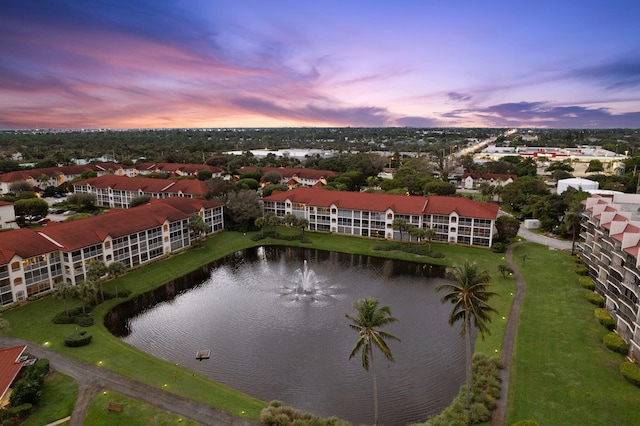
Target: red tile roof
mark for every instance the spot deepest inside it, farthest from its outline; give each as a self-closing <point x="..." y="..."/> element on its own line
<point x="55" y="171"/>
<point x="25" y="243"/>
<point x="9" y="366"/>
<point x="489" y="176"/>
<point x="170" y="186"/>
<point x="177" y="167"/>
<point x="82" y="233"/>
<point x="401" y="204"/>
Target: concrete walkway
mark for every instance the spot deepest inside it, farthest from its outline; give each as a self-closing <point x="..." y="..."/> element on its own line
<point x="92" y="380"/>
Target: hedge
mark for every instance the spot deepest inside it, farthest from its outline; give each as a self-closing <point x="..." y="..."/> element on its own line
<point x="596" y="299"/>
<point x="11" y="415"/>
<point x="77" y="339"/>
<point x="581" y="270"/>
<point x="614" y="342"/>
<point x="603" y="317"/>
<point x="587" y="283"/>
<point x="631" y="372"/>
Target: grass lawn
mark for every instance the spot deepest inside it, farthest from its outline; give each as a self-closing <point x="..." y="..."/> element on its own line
<point x="33" y="320"/>
<point x="59" y="396"/>
<point x="562" y="374"/>
<point x="134" y="413"/>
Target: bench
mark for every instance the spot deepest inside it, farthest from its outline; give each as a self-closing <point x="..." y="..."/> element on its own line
<point x="115" y="406"/>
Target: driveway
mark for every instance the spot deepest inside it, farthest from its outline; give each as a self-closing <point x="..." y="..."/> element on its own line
<point x="92" y="380"/>
<point x="552" y="243"/>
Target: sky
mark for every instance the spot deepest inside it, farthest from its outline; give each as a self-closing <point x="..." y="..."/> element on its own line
<point x="328" y="63"/>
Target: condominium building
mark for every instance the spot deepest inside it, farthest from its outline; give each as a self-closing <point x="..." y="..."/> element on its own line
<point x="34" y="261"/>
<point x="611" y="232"/>
<point x="454" y="219"/>
<point x="118" y="191"/>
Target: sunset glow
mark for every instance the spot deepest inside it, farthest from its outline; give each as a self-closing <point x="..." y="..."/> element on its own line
<point x="165" y="63"/>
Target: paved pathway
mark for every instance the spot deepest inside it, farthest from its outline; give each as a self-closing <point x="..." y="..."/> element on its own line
<point x="92" y="380"/>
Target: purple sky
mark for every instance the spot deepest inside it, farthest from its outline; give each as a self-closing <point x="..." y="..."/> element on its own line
<point x="250" y="63"/>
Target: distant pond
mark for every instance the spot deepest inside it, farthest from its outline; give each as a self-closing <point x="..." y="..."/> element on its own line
<point x="274" y="321"/>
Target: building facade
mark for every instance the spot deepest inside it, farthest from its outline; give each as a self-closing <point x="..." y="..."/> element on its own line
<point x="33" y="262"/>
<point x="454" y="219"/>
<point x="611" y="233"/>
<point x="118" y="191"/>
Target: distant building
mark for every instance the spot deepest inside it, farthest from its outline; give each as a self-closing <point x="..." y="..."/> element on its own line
<point x="454" y="219"/>
<point x="7" y="216"/>
<point x="176" y="169"/>
<point x="118" y="191"/>
<point x="294" y="177"/>
<point x="473" y="180"/>
<point x="579" y="184"/>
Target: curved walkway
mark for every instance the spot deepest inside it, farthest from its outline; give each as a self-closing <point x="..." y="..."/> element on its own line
<point x="93" y="380"/>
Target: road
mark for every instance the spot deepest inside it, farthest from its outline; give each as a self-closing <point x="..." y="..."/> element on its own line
<point x="92" y="380"/>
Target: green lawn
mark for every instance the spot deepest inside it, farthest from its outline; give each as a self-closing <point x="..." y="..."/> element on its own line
<point x="562" y="374"/>
<point x="134" y="413"/>
<point x="59" y="396"/>
<point x="32" y="321"/>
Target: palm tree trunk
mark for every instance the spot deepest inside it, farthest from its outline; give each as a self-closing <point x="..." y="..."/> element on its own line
<point x="375" y="388"/>
<point x="467" y="341"/>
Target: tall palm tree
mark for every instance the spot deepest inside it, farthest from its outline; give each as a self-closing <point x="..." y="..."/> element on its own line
<point x="367" y="321"/>
<point x="64" y="290"/>
<point x="95" y="271"/>
<point x="87" y="292"/>
<point x="470" y="298"/>
<point x="115" y="269"/>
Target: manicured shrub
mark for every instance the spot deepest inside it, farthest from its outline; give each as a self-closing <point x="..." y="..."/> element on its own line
<point x="587" y="283"/>
<point x="596" y="299"/>
<point x="581" y="270"/>
<point x="84" y="321"/>
<point x="77" y="339"/>
<point x="631" y="372"/>
<point x="615" y="343"/>
<point x="498" y="248"/>
<point x="604" y="318"/>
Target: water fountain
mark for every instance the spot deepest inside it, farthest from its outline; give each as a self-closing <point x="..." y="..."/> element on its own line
<point x="305" y="280"/>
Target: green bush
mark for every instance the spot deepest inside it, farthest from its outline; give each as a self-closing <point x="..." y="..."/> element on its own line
<point x="84" y="321"/>
<point x="604" y="318"/>
<point x="77" y="339"/>
<point x="581" y="270"/>
<point x="10" y="415"/>
<point x="614" y="342"/>
<point x="596" y="299"/>
<point x="631" y="372"/>
<point x="277" y="414"/>
<point x="498" y="248"/>
<point x="587" y="283"/>
<point x="28" y="388"/>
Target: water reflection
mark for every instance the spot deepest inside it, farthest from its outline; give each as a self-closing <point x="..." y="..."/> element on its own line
<point x="274" y="336"/>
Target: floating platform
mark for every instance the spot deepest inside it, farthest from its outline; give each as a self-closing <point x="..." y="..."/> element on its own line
<point x="203" y="354"/>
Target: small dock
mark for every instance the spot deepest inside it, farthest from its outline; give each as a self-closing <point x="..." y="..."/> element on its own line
<point x="203" y="354"/>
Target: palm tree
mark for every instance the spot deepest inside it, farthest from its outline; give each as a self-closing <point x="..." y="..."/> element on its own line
<point x="572" y="222"/>
<point x="198" y="226"/>
<point x="62" y="291"/>
<point x="470" y="298"/>
<point x="302" y="223"/>
<point x="115" y="269"/>
<point x="367" y="321"/>
<point x="260" y="222"/>
<point x="95" y="271"/>
<point x="429" y="234"/>
<point x="87" y="292"/>
<point x="399" y="224"/>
